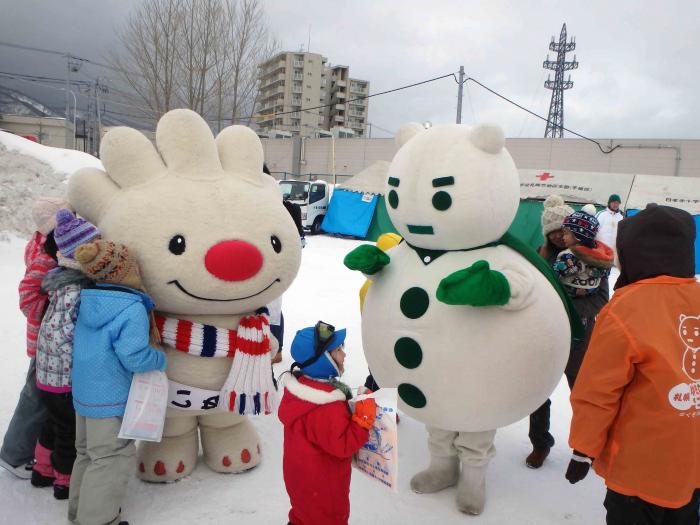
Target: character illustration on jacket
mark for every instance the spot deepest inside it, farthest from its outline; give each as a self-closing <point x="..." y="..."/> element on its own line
<point x="689" y="330"/>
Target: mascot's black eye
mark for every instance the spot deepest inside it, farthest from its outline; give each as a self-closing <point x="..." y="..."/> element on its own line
<point x="276" y="244"/>
<point x="177" y="245"/>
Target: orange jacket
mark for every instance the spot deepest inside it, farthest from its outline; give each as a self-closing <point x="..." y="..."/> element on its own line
<point x="636" y="402"/>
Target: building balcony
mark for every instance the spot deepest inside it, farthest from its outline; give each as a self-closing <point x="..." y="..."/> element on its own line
<point x="297" y="89"/>
<point x="298" y="76"/>
<point x="298" y="63"/>
<point x="278" y="67"/>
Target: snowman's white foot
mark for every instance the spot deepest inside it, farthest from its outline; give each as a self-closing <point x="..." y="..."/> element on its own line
<point x="441" y="474"/>
<point x="471" y="490"/>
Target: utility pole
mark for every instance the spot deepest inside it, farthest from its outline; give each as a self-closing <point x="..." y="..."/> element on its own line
<point x="72" y="65"/>
<point x="555" y="120"/>
<point x="99" y="88"/>
<point x="460" y="91"/>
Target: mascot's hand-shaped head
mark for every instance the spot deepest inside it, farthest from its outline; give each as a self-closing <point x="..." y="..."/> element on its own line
<point x="207" y="225"/>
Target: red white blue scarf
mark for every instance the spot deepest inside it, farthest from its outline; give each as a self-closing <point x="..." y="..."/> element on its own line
<point x="249" y="388"/>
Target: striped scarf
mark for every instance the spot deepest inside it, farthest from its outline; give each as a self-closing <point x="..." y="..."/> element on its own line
<point x="249" y="388"/>
<point x="201" y="340"/>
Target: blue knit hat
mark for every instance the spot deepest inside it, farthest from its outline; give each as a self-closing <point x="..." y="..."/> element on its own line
<point x="303" y="349"/>
<point x="583" y="226"/>
<point x="71" y="232"/>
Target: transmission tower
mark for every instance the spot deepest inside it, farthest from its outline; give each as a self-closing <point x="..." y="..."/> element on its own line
<point x="555" y="121"/>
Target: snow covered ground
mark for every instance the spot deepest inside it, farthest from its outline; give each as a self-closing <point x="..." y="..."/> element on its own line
<point x="323" y="290"/>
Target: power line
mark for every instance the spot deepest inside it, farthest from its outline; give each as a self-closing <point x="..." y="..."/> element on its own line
<point x="362" y="97"/>
<point x="41" y="79"/>
<point x="494" y="92"/>
<point x="59" y="53"/>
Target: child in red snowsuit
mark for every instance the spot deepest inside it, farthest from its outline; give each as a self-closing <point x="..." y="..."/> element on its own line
<point x="320" y="432"/>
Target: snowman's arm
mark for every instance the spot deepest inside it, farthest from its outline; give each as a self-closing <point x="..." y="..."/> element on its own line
<point x="367" y="259"/>
<point x="521" y="283"/>
<point x="479" y="285"/>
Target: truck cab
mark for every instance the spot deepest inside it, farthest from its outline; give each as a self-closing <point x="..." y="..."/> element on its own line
<point x="312" y="197"/>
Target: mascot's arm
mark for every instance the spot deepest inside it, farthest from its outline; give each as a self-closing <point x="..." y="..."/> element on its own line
<point x="479" y="285"/>
<point x="367" y="259"/>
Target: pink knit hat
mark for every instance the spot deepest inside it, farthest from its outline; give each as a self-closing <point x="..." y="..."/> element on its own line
<point x="44" y="211"/>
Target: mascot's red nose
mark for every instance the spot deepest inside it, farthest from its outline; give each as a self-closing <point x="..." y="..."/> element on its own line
<point x="233" y="260"/>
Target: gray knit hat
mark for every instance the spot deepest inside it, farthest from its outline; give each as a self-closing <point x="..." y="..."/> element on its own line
<point x="554" y="213"/>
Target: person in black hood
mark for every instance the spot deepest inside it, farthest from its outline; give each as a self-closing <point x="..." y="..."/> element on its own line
<point x="657" y="241"/>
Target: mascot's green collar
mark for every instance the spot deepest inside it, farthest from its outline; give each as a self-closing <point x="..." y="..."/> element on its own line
<point x="508" y="239"/>
<point x="428" y="256"/>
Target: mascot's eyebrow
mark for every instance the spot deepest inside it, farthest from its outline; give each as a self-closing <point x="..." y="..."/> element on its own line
<point x="443" y="181"/>
<point x="393" y="181"/>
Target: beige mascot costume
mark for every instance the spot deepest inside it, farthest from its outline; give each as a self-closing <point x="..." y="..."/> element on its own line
<point x="215" y="245"/>
<point x="466" y="321"/>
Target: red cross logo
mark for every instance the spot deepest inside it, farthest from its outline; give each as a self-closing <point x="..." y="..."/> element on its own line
<point x="545" y="176"/>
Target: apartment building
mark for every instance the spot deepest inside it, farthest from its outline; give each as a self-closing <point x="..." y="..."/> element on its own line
<point x="292" y="81"/>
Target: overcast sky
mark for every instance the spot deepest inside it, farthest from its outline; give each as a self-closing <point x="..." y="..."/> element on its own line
<point x="637" y="78"/>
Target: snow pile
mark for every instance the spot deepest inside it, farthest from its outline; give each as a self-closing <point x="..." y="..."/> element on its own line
<point x="29" y="170"/>
<point x="61" y="160"/>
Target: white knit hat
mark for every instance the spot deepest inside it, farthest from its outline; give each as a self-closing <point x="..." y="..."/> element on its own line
<point x="590" y="209"/>
<point x="554" y="213"/>
<point x="44" y="211"/>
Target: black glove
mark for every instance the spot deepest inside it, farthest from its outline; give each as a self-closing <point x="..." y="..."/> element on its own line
<point x="578" y="468"/>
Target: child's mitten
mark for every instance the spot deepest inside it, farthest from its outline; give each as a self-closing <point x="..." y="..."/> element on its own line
<point x="365" y="413"/>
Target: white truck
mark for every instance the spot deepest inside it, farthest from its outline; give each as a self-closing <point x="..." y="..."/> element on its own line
<point x="312" y="197"/>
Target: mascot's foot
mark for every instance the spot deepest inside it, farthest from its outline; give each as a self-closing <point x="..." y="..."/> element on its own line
<point x="230" y="442"/>
<point x="174" y="457"/>
<point x="471" y="490"/>
<point x="441" y="474"/>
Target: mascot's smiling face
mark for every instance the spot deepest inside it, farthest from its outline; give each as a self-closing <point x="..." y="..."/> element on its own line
<point x="208" y="227"/>
<point x="452" y="187"/>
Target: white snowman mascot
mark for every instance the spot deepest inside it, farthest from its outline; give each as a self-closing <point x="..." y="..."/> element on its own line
<point x="466" y="321"/>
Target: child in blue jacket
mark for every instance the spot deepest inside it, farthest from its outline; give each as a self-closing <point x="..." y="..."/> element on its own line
<point x="110" y="344"/>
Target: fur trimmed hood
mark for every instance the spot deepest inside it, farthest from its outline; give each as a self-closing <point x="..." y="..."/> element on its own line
<point x="303" y="395"/>
<point x="601" y="256"/>
<point x="312" y="391"/>
<point x="63" y="277"/>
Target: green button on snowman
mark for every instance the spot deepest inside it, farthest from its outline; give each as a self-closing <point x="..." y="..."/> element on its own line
<point x="466" y="321"/>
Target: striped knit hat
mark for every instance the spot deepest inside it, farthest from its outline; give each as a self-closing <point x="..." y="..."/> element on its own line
<point x="109" y="262"/>
<point x="71" y="232"/>
<point x="583" y="226"/>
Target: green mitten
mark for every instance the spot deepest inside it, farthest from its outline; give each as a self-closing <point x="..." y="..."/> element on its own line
<point x="477" y="285"/>
<point x="367" y="259"/>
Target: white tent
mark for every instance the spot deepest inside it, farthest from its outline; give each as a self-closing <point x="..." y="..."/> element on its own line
<point x="679" y="192"/>
<point x="372" y="179"/>
<point x="575" y="186"/>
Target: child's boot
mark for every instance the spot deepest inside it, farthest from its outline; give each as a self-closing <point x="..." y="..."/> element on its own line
<point x="471" y="490"/>
<point x="442" y="473"/>
<point x="61" y="485"/>
<point x="42" y="473"/>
